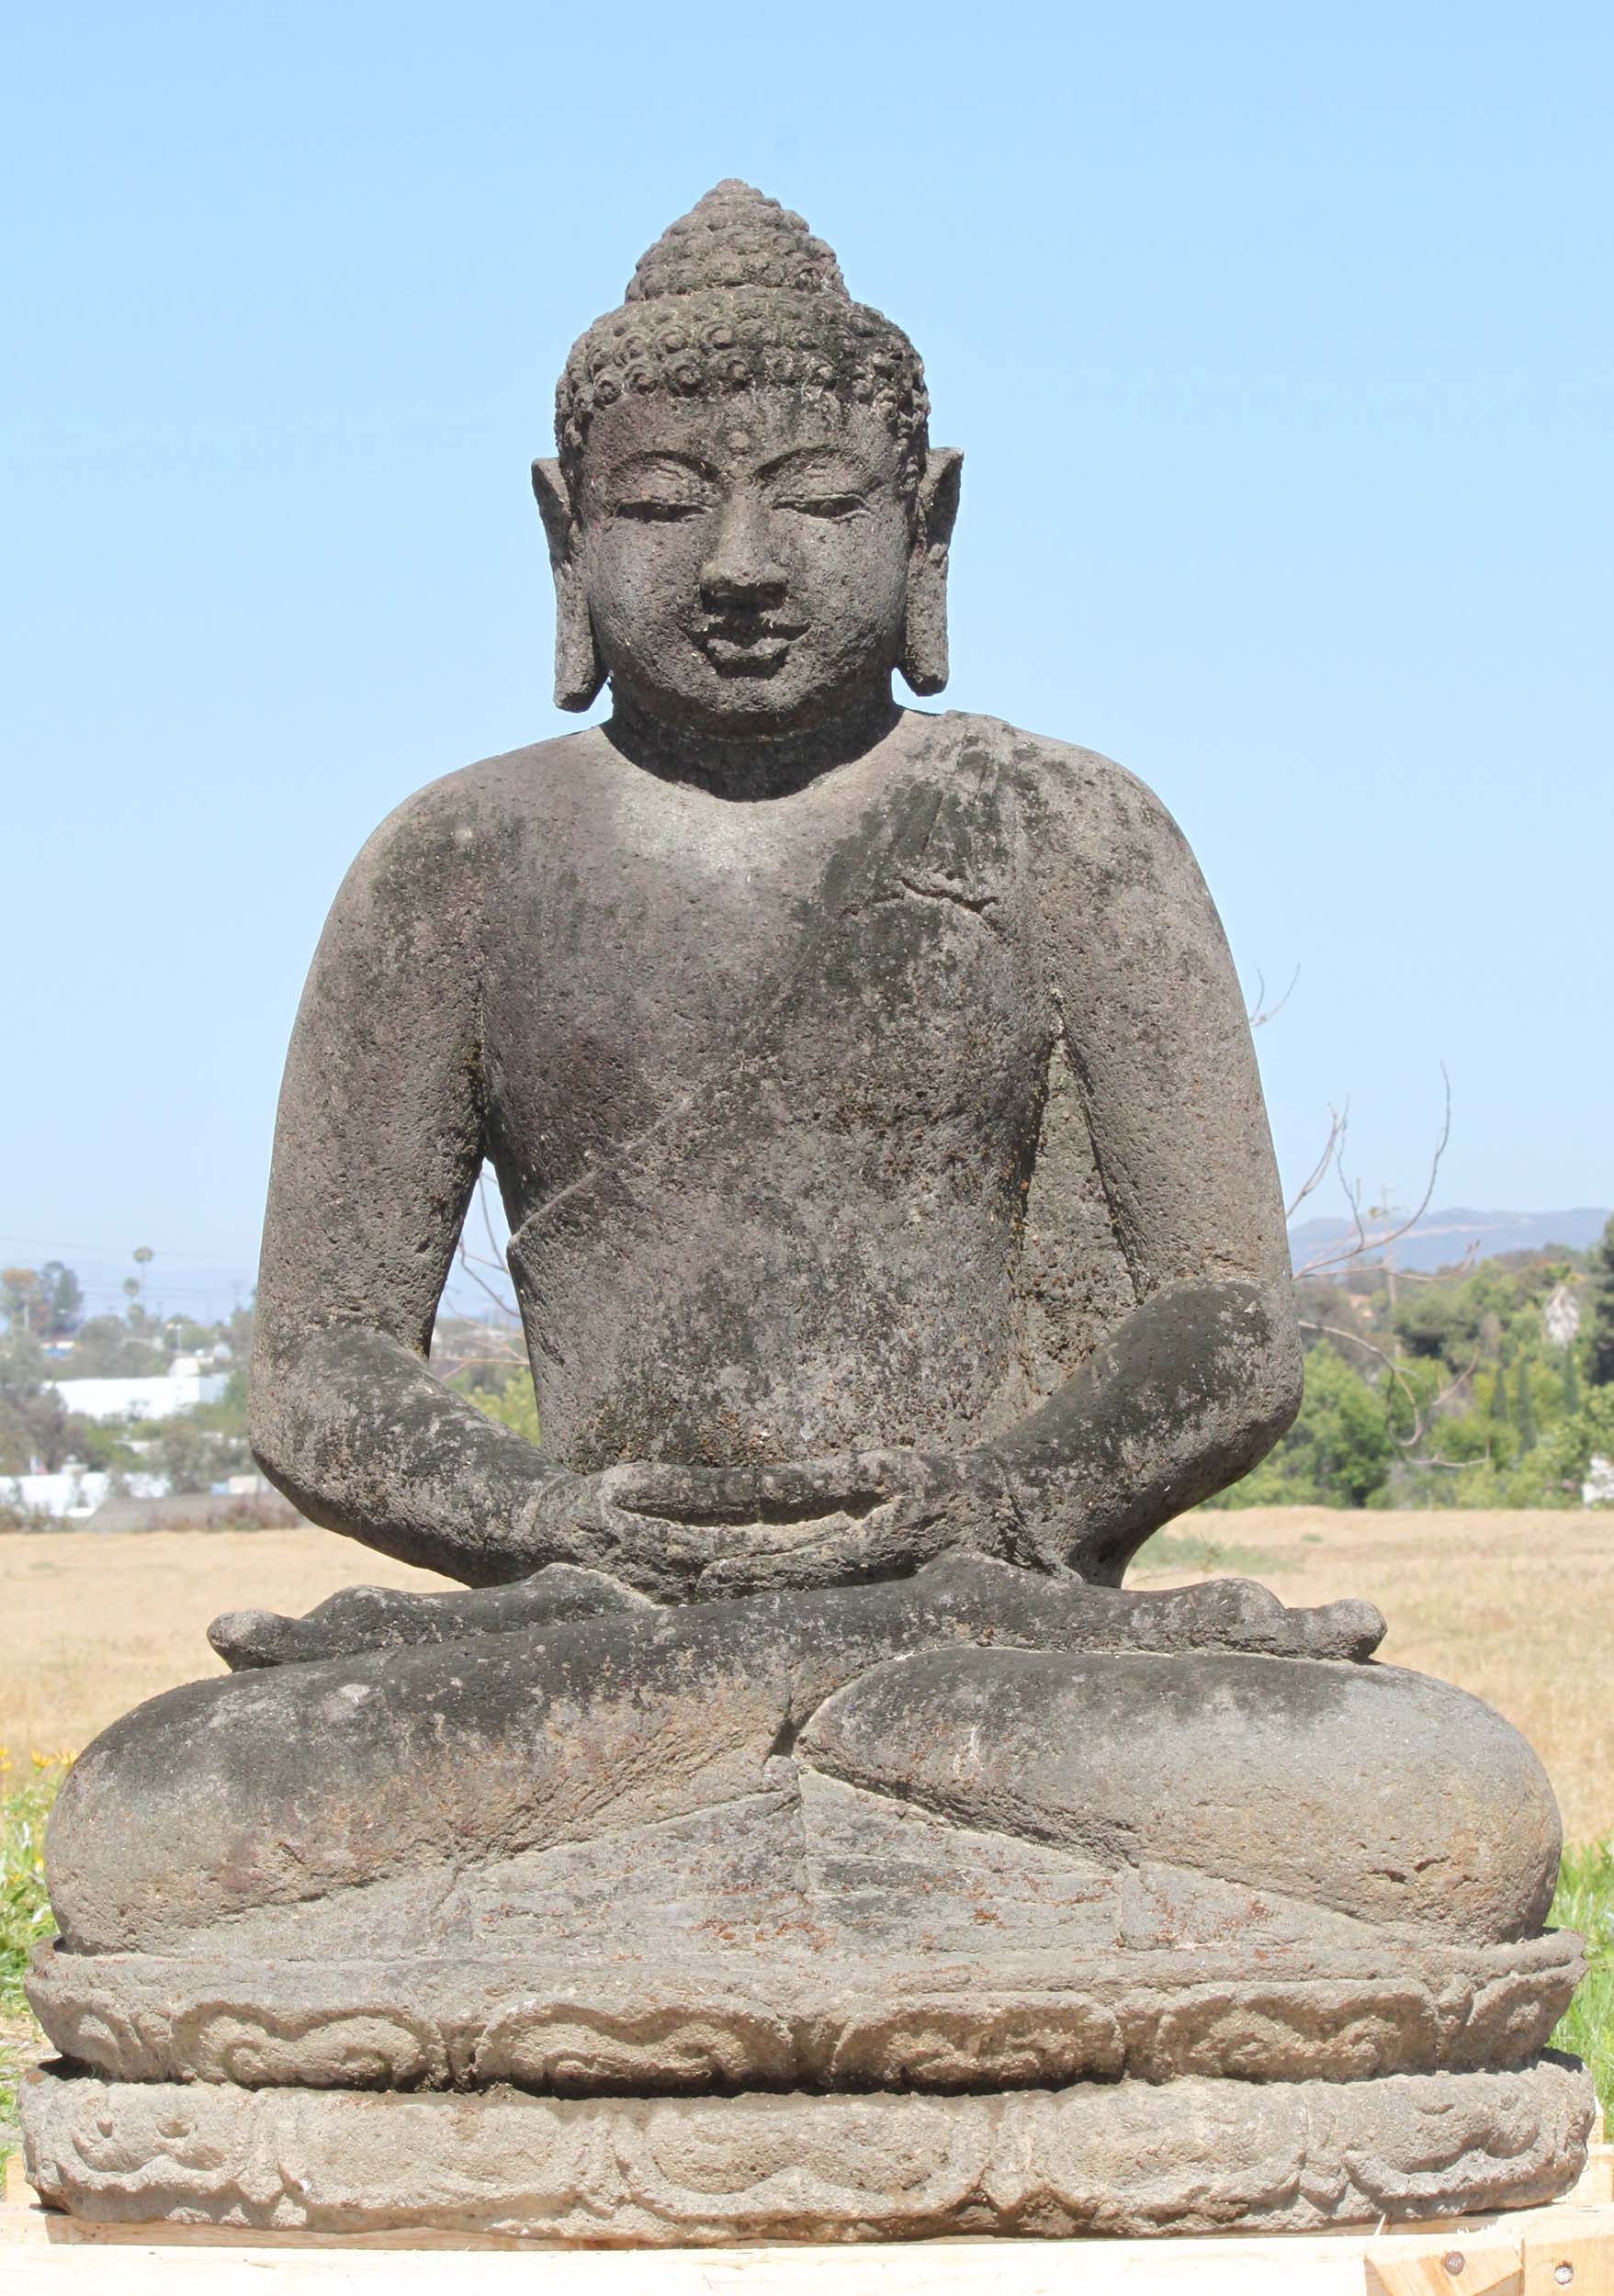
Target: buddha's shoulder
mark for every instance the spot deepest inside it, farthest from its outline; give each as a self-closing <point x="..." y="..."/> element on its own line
<point x="474" y="818"/>
<point x="1077" y="795"/>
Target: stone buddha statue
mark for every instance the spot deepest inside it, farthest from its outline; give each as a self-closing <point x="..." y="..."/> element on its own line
<point x="794" y="1828"/>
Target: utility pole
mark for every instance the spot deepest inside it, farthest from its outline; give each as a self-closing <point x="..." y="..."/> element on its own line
<point x="1389" y="1212"/>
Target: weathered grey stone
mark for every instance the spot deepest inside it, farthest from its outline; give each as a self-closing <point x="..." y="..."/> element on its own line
<point x="290" y="1785"/>
<point x="385" y="1618"/>
<point x="765" y="1000"/>
<point x="1377" y="1792"/>
<point x="1128" y="2157"/>
<point x="754" y="2014"/>
<point x="897" y="1242"/>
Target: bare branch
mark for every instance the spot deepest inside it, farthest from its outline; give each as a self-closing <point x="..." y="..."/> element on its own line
<point x="1421" y="1412"/>
<point x="476" y="1259"/>
<point x="1462" y="1266"/>
<point x="1353" y="1198"/>
<point x="473" y="1263"/>
<point x="1398" y="1376"/>
<point x="1339" y="1119"/>
<point x="484" y="1286"/>
<point x="1452" y="1386"/>
<point x="1440" y="1147"/>
<point x="1335" y="1331"/>
<point x="1363" y="1243"/>
<point x="1260" y="1011"/>
<point x="488" y="1220"/>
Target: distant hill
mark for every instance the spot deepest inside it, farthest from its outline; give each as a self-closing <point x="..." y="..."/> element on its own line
<point x="1442" y="1237"/>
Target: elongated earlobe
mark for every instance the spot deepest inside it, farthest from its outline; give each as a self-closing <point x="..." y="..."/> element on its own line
<point x="924" y="635"/>
<point x="579" y="671"/>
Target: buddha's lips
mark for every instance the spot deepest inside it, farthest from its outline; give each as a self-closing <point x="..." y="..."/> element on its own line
<point x="749" y="644"/>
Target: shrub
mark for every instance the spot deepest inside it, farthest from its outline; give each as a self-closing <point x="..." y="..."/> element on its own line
<point x="512" y="1406"/>
<point x="1586" y="1902"/>
<point x="26" y="1797"/>
<point x="1339" y="1452"/>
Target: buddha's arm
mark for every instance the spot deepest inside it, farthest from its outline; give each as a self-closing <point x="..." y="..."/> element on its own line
<point x="376" y="1149"/>
<point x="1195" y="1385"/>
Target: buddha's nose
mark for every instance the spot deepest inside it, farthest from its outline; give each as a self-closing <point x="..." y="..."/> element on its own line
<point x="742" y="569"/>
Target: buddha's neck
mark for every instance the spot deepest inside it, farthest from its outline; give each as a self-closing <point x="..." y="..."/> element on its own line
<point x="752" y="766"/>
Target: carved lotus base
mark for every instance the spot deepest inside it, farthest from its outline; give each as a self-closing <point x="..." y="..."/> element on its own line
<point x="745" y="2020"/>
<point x="1125" y="2157"/>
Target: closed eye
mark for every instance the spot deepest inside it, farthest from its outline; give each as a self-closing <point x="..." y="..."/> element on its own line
<point x="654" y="510"/>
<point x="825" y="505"/>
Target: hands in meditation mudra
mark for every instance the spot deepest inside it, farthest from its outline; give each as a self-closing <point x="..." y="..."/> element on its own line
<point x="899" y="1244"/>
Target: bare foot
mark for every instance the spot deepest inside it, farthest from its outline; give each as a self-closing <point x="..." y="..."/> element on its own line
<point x="384" y="1617"/>
<point x="1239" y="1614"/>
<point x="1218" y="1615"/>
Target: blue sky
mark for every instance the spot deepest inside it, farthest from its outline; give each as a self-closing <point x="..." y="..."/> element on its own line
<point x="1277" y="339"/>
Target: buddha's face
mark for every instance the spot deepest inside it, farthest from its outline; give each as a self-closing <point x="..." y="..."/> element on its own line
<point x="746" y="558"/>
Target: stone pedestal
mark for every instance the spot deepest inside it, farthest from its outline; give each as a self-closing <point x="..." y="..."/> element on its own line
<point x="1124" y="2158"/>
<point x="1176" y="2090"/>
<point x="824" y="2010"/>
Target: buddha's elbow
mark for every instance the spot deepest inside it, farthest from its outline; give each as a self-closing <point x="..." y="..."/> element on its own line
<point x="1271" y="1383"/>
<point x="324" y="1425"/>
<point x="280" y="1431"/>
<point x="290" y="1456"/>
<point x="272" y="1444"/>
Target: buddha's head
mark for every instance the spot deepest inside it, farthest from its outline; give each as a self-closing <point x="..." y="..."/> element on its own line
<point x="747" y="523"/>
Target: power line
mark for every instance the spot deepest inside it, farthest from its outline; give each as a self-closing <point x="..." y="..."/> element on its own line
<point x="121" y="1251"/>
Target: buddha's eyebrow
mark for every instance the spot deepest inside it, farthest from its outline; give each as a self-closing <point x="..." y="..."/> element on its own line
<point x="826" y="453"/>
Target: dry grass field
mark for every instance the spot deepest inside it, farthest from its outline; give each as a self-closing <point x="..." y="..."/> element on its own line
<point x="93" y="1623"/>
<point x="1518" y="1607"/>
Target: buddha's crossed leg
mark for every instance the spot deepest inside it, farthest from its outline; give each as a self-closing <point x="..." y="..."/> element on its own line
<point x="1131" y="1723"/>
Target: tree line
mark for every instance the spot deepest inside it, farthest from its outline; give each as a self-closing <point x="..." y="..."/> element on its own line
<point x="1489" y="1386"/>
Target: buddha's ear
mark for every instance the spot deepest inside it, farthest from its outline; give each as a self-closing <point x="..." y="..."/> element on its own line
<point x="924" y="635"/>
<point x="579" y="671"/>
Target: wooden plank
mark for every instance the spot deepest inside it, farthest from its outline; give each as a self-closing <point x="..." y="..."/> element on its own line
<point x="1582" y="2265"/>
<point x="1508" y="2255"/>
<point x="1596" y="2181"/>
<point x="989" y="2267"/>
<point x="1454" y="2268"/>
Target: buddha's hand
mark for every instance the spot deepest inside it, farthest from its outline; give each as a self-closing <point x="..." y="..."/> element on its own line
<point x="697" y="1533"/>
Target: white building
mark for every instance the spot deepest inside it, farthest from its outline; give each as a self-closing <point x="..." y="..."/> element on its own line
<point x="184" y="1386"/>
<point x="1561" y="1315"/>
<point x="72" y="1493"/>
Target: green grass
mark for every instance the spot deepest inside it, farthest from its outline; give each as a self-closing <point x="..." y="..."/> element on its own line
<point x="26" y="1797"/>
<point x="1586" y="1902"/>
<point x="26" y="1792"/>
